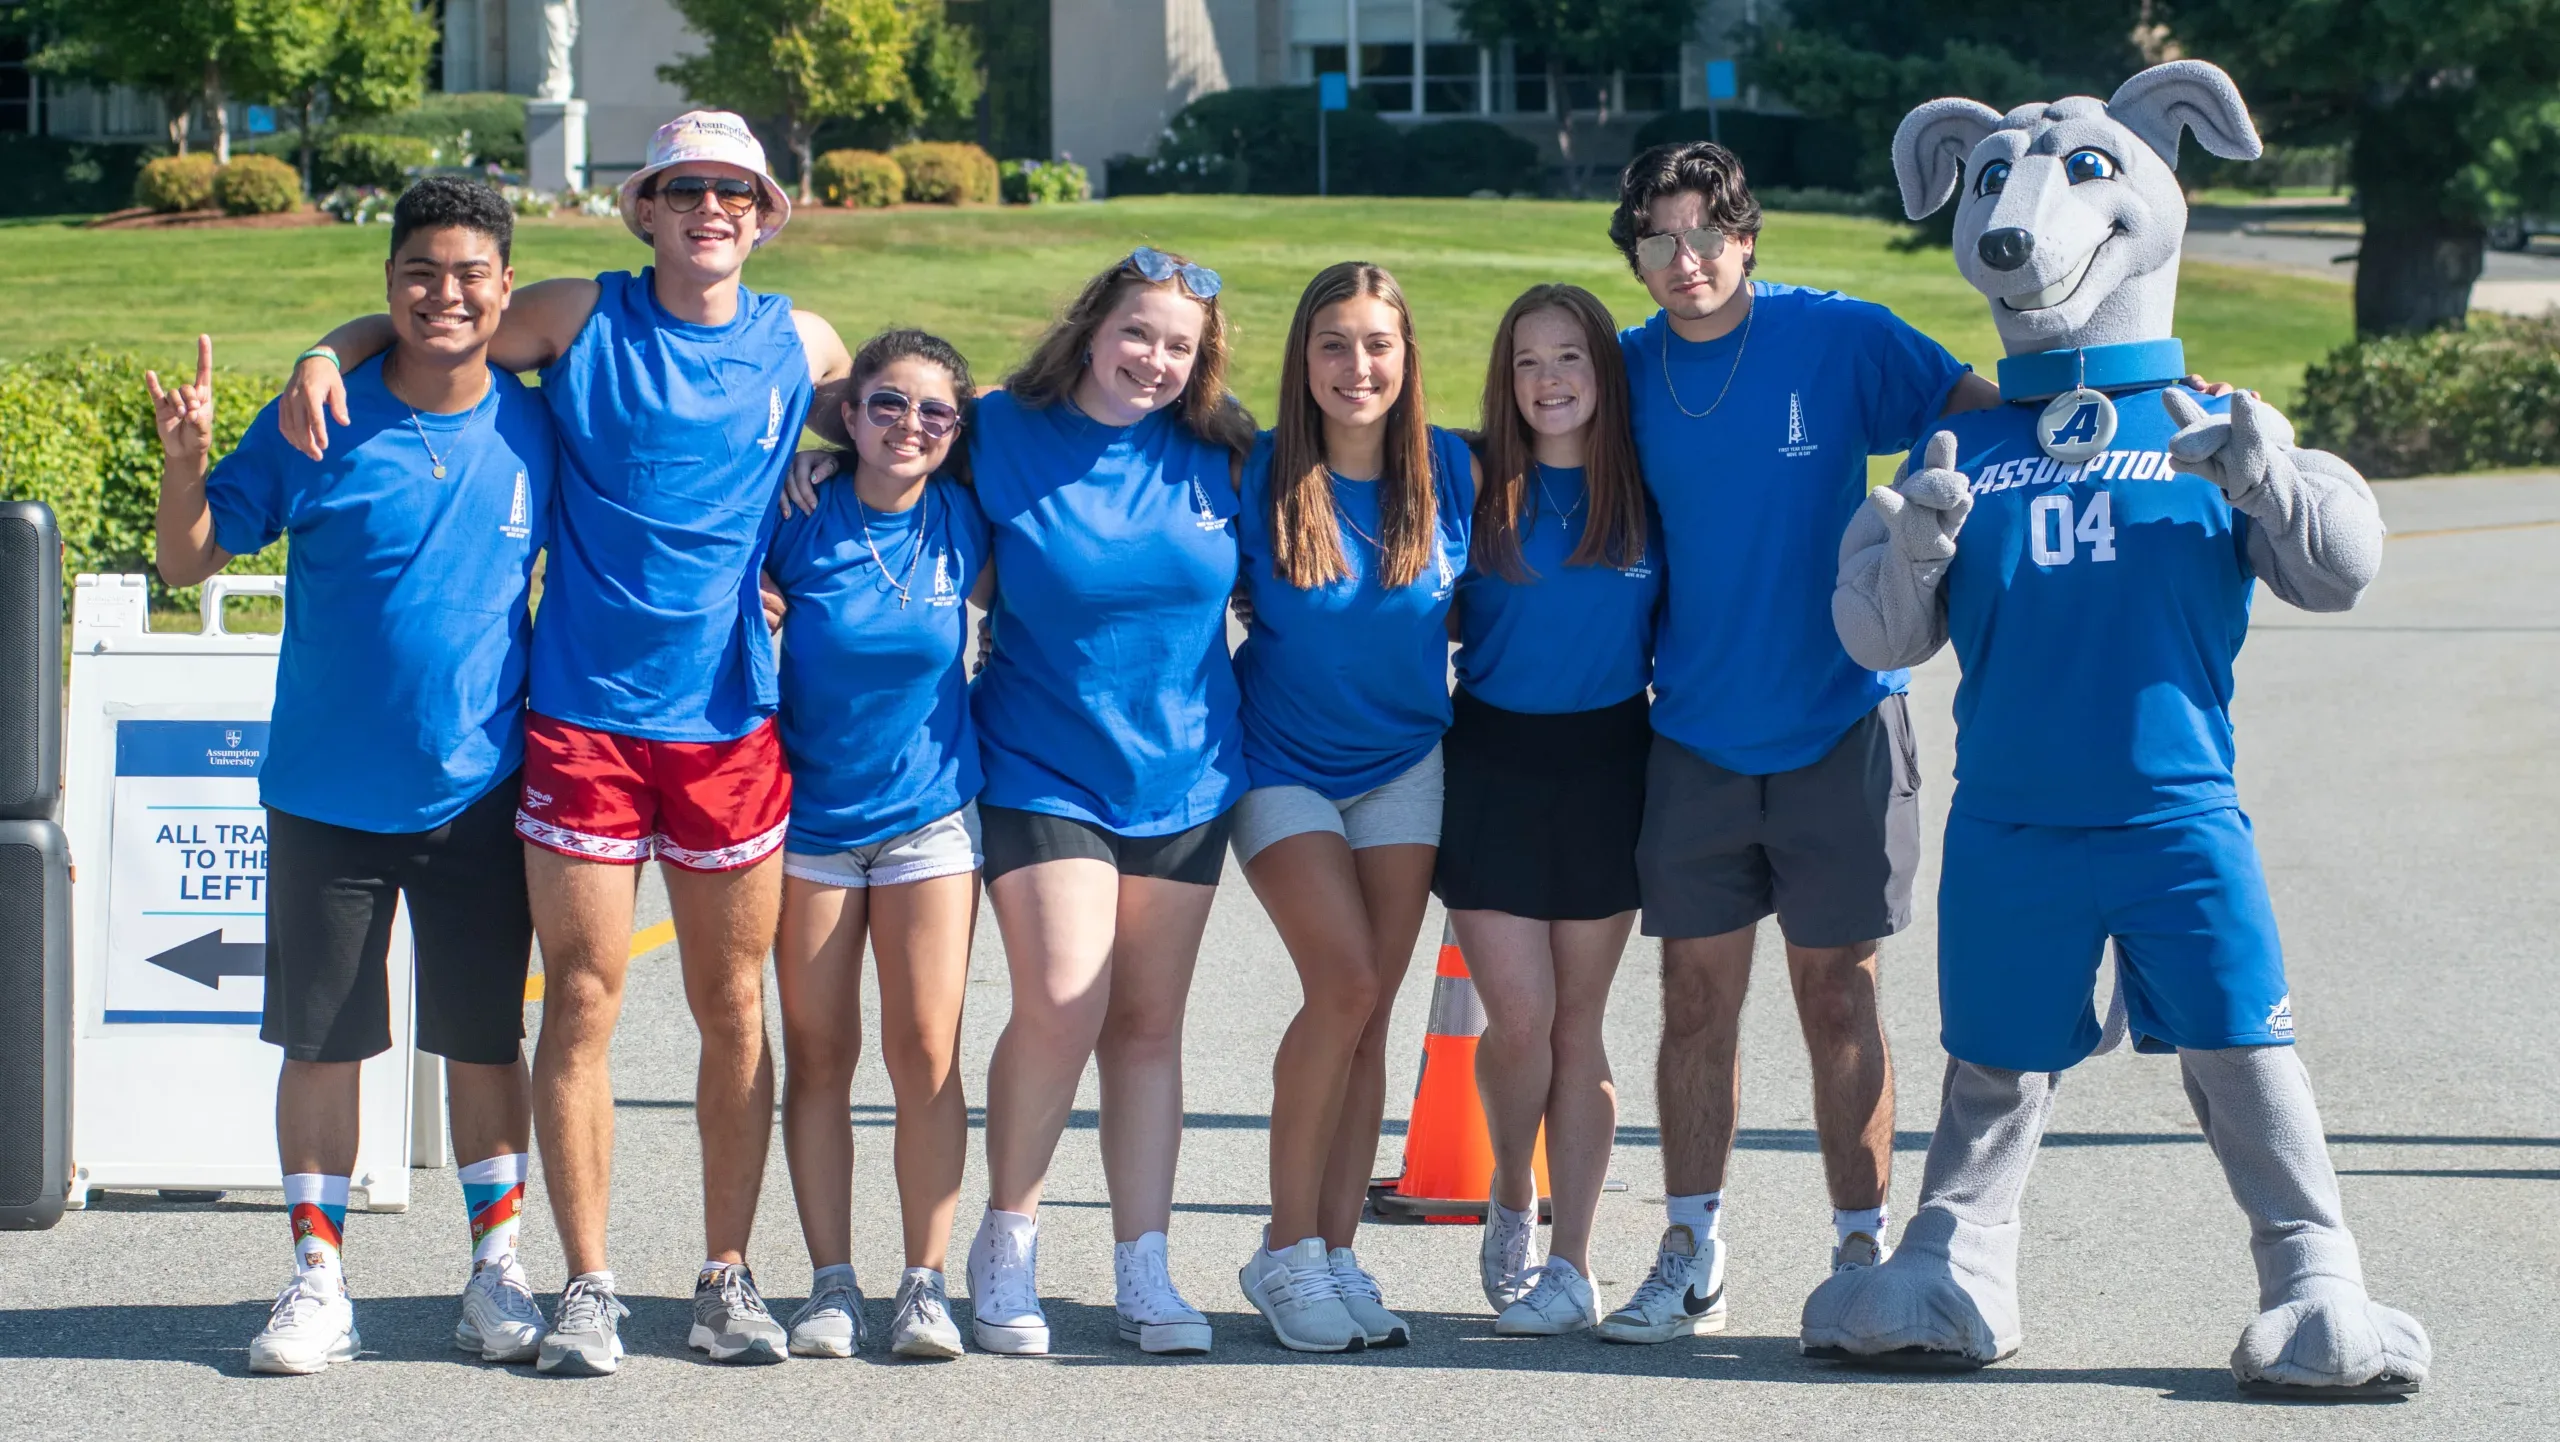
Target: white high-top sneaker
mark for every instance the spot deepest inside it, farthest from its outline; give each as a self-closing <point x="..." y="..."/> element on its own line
<point x="1152" y="1313"/>
<point x="1004" y="1288"/>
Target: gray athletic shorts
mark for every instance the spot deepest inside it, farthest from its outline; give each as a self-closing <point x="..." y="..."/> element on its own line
<point x="1401" y="812"/>
<point x="1829" y="847"/>
<point x="944" y="846"/>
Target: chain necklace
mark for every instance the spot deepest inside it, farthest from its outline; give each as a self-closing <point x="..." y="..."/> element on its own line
<point x="1667" y="335"/>
<point x="1563" y="514"/>
<point x="1345" y="517"/>
<point x="429" y="446"/>
<point x="923" y="513"/>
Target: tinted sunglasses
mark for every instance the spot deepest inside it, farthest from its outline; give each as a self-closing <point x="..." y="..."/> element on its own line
<point x="684" y="194"/>
<point x="1657" y="251"/>
<point x="1158" y="267"/>
<point x="885" y="408"/>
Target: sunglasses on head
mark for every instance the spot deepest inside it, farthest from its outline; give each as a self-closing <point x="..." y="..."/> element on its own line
<point x="685" y="193"/>
<point x="1158" y="267"/>
<point x="885" y="408"/>
<point x="1657" y="251"/>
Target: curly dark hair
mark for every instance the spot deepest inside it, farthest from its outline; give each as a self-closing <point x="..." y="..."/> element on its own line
<point x="1702" y="166"/>
<point x="436" y="201"/>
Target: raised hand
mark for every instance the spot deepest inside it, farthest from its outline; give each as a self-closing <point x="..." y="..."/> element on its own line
<point x="312" y="395"/>
<point x="2237" y="451"/>
<point x="1923" y="511"/>
<point x="184" y="413"/>
<point x="809" y="470"/>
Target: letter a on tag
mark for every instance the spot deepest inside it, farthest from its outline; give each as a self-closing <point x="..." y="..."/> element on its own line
<point x="2076" y="425"/>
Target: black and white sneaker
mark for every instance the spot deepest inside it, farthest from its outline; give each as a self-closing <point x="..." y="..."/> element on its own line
<point x="1683" y="1296"/>
<point x="730" y="1320"/>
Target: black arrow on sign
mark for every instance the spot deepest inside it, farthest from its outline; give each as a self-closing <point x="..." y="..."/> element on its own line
<point x="209" y="958"/>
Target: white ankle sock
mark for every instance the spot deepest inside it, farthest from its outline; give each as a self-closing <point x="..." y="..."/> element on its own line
<point x="1701" y="1212"/>
<point x="1870" y="1220"/>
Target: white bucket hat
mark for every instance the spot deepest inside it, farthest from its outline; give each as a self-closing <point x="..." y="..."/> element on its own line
<point x="714" y="136"/>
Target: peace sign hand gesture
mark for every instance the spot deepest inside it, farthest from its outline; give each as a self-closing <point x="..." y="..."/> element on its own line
<point x="184" y="413"/>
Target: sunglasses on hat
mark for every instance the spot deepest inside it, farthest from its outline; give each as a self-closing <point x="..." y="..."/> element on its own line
<point x="1158" y="267"/>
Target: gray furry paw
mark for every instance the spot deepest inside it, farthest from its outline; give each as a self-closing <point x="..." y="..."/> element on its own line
<point x="1923" y="511"/>
<point x="2237" y="451"/>
<point x="1916" y="1311"/>
<point x="2341" y="1344"/>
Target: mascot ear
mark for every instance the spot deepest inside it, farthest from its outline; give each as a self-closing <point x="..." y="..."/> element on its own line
<point x="1929" y="148"/>
<point x="2186" y="95"/>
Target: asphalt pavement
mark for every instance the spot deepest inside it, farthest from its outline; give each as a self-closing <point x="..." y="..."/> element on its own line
<point x="2399" y="762"/>
<point x="2321" y="241"/>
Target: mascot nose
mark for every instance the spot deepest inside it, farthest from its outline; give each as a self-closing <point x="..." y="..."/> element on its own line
<point x="2006" y="248"/>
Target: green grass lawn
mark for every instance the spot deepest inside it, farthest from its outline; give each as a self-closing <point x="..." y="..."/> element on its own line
<point x="989" y="279"/>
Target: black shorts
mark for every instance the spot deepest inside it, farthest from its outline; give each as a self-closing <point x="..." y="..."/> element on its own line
<point x="1012" y="839"/>
<point x="331" y="892"/>
<point x="1829" y="847"/>
<point x="1542" y="812"/>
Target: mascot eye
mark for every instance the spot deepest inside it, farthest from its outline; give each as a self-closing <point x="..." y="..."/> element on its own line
<point x="2089" y="165"/>
<point x="1995" y="178"/>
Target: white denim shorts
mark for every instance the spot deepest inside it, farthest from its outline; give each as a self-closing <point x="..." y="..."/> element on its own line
<point x="944" y="846"/>
<point x="1401" y="812"/>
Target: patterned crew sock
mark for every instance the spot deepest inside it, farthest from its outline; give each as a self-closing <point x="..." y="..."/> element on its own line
<point x="1701" y="1212"/>
<point x="316" y="1209"/>
<point x="493" y="1197"/>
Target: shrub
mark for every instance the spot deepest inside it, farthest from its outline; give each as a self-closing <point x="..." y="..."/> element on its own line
<point x="473" y="128"/>
<point x="1043" y="182"/>
<point x="384" y="162"/>
<point x="1461" y="157"/>
<point x="49" y="176"/>
<point x="863" y="178"/>
<point x="1262" y="141"/>
<point x="1794" y="151"/>
<point x="257" y="185"/>
<point x="76" y="432"/>
<point x="2449" y="400"/>
<point x="947" y="172"/>
<point x="176" y="182"/>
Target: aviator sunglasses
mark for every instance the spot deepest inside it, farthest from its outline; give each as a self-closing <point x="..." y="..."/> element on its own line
<point x="1158" y="267"/>
<point x="885" y="408"/>
<point x="684" y="194"/>
<point x="1657" y="251"/>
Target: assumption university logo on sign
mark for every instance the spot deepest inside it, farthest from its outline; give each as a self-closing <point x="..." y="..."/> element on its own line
<point x="1800" y="443"/>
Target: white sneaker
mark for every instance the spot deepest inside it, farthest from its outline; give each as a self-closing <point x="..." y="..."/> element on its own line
<point x="1004" y="1290"/>
<point x="1561" y="1301"/>
<point x="923" y="1325"/>
<point x="1683" y="1296"/>
<point x="1296" y="1292"/>
<point x="1863" y="1249"/>
<point x="1507" y="1255"/>
<point x="829" y="1324"/>
<point x="1378" y="1326"/>
<point x="1152" y="1313"/>
<point x="500" y="1320"/>
<point x="312" y="1325"/>
<point x="585" y="1339"/>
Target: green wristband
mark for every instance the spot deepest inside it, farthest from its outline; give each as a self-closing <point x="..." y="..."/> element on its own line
<point x="323" y="352"/>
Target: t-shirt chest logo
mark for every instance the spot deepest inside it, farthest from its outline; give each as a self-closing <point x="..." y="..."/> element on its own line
<point x="773" y="421"/>
<point x="519" y="512"/>
<point x="1800" y="442"/>
<point x="944" y="593"/>
<point x="1204" y="515"/>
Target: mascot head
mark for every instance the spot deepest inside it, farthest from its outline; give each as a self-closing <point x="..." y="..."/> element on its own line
<point x="2071" y="217"/>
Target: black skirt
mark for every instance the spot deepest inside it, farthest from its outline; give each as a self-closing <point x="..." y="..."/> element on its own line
<point x="1542" y="812"/>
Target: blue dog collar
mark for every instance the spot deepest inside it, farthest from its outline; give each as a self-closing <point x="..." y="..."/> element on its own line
<point x="2047" y="374"/>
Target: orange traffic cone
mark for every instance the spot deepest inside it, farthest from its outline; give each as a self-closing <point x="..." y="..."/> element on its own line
<point x="1448" y="1150"/>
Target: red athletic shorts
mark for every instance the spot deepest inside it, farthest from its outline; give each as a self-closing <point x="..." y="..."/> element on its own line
<point x="701" y="805"/>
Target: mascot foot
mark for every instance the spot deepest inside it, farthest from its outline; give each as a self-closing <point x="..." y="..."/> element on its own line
<point x="2340" y="1346"/>
<point x="1915" y="1313"/>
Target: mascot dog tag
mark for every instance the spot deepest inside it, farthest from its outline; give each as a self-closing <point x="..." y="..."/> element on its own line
<point x="2077" y="425"/>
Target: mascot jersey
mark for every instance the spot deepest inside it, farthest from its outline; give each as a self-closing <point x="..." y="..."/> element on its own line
<point x="2096" y="609"/>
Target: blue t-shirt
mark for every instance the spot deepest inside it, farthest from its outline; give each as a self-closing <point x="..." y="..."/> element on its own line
<point x="1568" y="638"/>
<point x="1346" y="685"/>
<point x="1108" y="696"/>
<point x="2096" y="611"/>
<point x="400" y="689"/>
<point x="875" y="685"/>
<point x="674" y="439"/>
<point x="1748" y="672"/>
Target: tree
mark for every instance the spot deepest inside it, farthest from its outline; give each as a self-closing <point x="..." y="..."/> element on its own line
<point x="353" y="58"/>
<point x="2449" y="110"/>
<point x="944" y="75"/>
<point x="122" y="42"/>
<point x="1589" y="37"/>
<point x="796" y="63"/>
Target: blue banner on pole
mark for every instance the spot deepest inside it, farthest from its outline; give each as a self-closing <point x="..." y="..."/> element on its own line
<point x="1333" y="91"/>
<point x="1720" y="80"/>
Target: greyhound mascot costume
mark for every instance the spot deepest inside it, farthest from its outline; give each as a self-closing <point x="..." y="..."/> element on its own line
<point x="2089" y="547"/>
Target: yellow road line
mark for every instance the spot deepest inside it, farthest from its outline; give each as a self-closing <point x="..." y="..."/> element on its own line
<point x="647" y="939"/>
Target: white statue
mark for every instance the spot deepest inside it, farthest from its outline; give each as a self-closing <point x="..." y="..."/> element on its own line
<point x="559" y="32"/>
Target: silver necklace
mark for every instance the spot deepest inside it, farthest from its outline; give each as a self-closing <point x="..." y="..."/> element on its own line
<point x="429" y="446"/>
<point x="923" y="513"/>
<point x="1667" y="336"/>
<point x="1354" y="525"/>
<point x="1563" y="515"/>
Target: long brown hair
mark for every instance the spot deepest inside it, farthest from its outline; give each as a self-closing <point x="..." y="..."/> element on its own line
<point x="1306" y="539"/>
<point x="1611" y="477"/>
<point x="1206" y="407"/>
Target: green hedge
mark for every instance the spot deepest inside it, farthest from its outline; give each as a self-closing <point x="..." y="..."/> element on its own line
<point x="1262" y="141"/>
<point x="382" y="161"/>
<point x="76" y="433"/>
<point x="947" y="172"/>
<point x="48" y="176"/>
<point x="2447" y="401"/>
<point x="1794" y="151"/>
<point x="863" y="178"/>
<point x="494" y="123"/>
<point x="176" y="182"/>
<point x="1043" y="182"/>
<point x="257" y="185"/>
